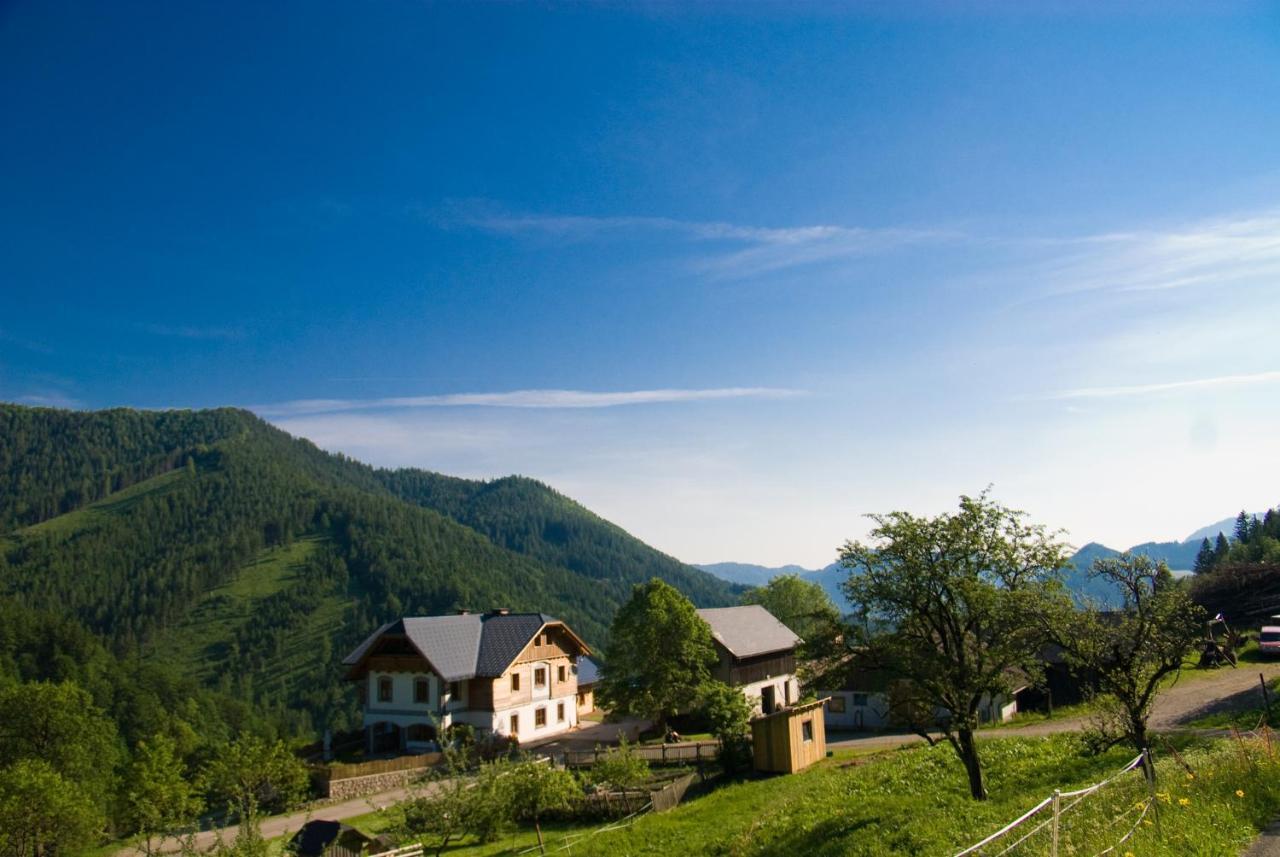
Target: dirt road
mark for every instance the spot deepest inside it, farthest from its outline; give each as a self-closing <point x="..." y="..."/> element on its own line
<point x="1195" y="695"/>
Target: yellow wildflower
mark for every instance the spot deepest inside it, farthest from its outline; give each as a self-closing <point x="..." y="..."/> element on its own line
<point x="1182" y="801"/>
<point x="1191" y="776"/>
<point x="1239" y="792"/>
<point x="1128" y="854"/>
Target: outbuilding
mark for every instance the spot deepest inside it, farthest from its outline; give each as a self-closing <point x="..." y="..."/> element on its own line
<point x="790" y="739"/>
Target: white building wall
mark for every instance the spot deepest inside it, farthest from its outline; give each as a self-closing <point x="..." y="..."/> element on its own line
<point x="872" y="713"/>
<point x="500" y="721"/>
<point x="404" y="712"/>
<point x="782" y="685"/>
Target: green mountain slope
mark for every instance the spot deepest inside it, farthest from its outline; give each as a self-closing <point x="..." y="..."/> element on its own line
<point x="528" y="517"/>
<point x="253" y="561"/>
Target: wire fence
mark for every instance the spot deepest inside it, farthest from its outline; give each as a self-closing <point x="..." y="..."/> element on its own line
<point x="567" y="842"/>
<point x="1119" y="805"/>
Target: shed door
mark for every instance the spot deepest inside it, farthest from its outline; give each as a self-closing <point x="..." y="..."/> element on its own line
<point x="767" y="699"/>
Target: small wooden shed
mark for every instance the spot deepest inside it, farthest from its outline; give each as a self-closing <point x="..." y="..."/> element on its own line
<point x="791" y="739"/>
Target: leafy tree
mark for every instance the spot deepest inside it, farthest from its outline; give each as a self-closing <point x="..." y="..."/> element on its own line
<point x="42" y="812"/>
<point x="537" y="788"/>
<point x="59" y="725"/>
<point x="159" y="798"/>
<point x="447" y="810"/>
<point x="251" y="773"/>
<point x="489" y="808"/>
<point x="1131" y="650"/>
<point x="805" y="608"/>
<point x="950" y="603"/>
<point x="659" y="656"/>
<point x="622" y="769"/>
<point x="728" y="715"/>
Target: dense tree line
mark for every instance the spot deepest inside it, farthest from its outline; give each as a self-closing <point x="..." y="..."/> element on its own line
<point x="123" y="521"/>
<point x="1255" y="541"/>
<point x="526" y="516"/>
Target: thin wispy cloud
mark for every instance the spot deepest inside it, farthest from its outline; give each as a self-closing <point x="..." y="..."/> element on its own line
<point x="193" y="332"/>
<point x="567" y="399"/>
<point x="51" y="399"/>
<point x="1213" y="252"/>
<point x="1164" y="387"/>
<point x="745" y="249"/>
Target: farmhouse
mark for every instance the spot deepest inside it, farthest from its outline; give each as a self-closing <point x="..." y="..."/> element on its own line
<point x="757" y="653"/>
<point x="513" y="674"/>
<point x="864" y="700"/>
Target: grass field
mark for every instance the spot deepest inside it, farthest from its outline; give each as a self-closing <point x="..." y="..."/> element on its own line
<point x="914" y="801"/>
<point x="114" y="506"/>
<point x="197" y="644"/>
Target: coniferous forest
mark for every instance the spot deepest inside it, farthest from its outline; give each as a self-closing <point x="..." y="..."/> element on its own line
<point x="204" y="572"/>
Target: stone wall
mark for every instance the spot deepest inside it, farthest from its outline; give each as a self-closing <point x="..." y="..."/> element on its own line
<point x="371" y="784"/>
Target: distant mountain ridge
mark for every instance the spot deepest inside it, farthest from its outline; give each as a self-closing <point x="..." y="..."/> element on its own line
<point x="1180" y="557"/>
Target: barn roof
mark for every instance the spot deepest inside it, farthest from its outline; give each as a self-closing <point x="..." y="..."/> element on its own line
<point x="749" y="630"/>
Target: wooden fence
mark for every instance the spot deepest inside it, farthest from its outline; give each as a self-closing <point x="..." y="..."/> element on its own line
<point x="670" y="795"/>
<point x="655" y="754"/>
<point x="340" y="771"/>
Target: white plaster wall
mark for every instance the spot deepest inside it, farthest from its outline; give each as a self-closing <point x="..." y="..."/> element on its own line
<point x="501" y="720"/>
<point x="873" y="715"/>
<point x="755" y="690"/>
<point x="402" y="693"/>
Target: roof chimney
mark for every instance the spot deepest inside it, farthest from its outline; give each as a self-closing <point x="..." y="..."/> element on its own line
<point x="501" y="611"/>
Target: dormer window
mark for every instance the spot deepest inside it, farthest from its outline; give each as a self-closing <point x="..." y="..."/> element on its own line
<point x="384" y="689"/>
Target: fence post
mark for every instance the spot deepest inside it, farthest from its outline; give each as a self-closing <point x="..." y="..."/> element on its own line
<point x="1057" y="807"/>
<point x="1266" y="697"/>
<point x="1149" y="768"/>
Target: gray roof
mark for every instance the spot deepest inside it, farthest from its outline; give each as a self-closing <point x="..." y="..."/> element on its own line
<point x="463" y="646"/>
<point x="588" y="671"/>
<point x="748" y="631"/>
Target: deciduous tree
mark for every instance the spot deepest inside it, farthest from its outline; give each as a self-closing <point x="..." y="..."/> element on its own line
<point x="537" y="788"/>
<point x="805" y="608"/>
<point x="159" y="798"/>
<point x="1131" y="650"/>
<point x="42" y="812"/>
<point x="659" y="656"/>
<point x="950" y="603"/>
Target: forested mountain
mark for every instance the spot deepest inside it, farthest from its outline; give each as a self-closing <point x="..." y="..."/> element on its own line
<point x="218" y="545"/>
<point x="525" y="516"/>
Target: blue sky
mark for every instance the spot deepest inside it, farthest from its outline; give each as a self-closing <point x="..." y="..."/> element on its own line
<point x="730" y="274"/>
